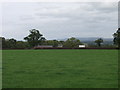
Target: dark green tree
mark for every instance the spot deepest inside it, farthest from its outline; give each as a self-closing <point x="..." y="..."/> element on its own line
<point x="116" y="39"/>
<point x="3" y="42"/>
<point x="55" y="43"/>
<point x="99" y="41"/>
<point x="21" y="44"/>
<point x="62" y="42"/>
<point x="12" y="43"/>
<point x="34" y="38"/>
<point x="72" y="43"/>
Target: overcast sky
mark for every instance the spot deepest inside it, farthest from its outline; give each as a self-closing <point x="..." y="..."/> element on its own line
<point x="60" y="20"/>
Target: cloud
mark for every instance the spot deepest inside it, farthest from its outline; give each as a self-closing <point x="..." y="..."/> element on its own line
<point x="27" y="17"/>
<point x="78" y="11"/>
<point x="61" y="20"/>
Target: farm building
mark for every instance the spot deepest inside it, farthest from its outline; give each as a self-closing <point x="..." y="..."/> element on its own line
<point x="82" y="46"/>
<point x="47" y="46"/>
<point x="44" y="46"/>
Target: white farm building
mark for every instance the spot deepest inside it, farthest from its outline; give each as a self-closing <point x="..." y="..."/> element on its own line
<point x="82" y="46"/>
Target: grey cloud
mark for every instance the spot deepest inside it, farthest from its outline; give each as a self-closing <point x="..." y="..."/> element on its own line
<point x="26" y="17"/>
<point x="94" y="10"/>
<point x="61" y="20"/>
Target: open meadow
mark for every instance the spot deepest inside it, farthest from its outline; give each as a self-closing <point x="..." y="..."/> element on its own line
<point x="60" y="68"/>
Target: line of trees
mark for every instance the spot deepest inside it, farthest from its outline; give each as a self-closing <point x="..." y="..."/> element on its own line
<point x="13" y="43"/>
<point x="99" y="41"/>
<point x="116" y="39"/>
<point x="35" y="38"/>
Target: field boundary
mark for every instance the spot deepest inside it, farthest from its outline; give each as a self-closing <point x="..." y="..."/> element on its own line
<point x="58" y="48"/>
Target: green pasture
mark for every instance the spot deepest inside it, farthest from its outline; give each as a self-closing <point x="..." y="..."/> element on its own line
<point x="60" y="68"/>
<point x="0" y="69"/>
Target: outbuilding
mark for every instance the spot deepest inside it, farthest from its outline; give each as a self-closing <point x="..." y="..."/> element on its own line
<point x="82" y="46"/>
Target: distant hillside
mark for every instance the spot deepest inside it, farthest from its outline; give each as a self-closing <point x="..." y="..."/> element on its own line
<point x="90" y="40"/>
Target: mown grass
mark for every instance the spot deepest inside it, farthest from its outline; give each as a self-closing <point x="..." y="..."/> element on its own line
<point x="0" y="69"/>
<point x="60" y="68"/>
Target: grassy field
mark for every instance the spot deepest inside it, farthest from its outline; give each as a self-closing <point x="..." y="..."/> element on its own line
<point x="60" y="68"/>
<point x="0" y="69"/>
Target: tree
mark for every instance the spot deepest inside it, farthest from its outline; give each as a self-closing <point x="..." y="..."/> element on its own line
<point x="8" y="43"/>
<point x="22" y="45"/>
<point x="0" y="42"/>
<point x="116" y="39"/>
<point x="61" y="42"/>
<point x="12" y="43"/>
<point x="34" y="38"/>
<point x="72" y="43"/>
<point x="55" y="43"/>
<point x="99" y="41"/>
<point x="3" y="42"/>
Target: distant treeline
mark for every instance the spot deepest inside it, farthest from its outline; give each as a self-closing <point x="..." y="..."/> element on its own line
<point x="70" y="43"/>
<point x="36" y="39"/>
<point x="13" y="43"/>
